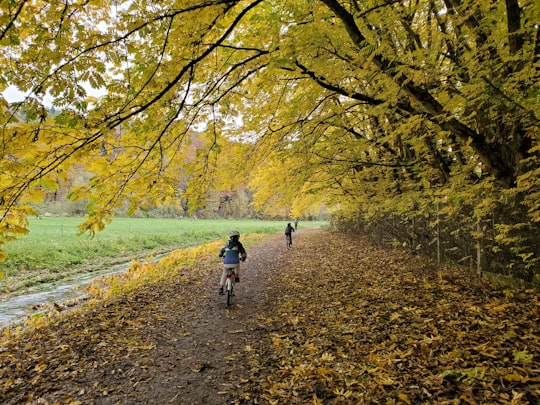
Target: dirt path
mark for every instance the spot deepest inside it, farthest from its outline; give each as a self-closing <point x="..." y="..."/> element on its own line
<point x="199" y="355"/>
<point x="160" y="346"/>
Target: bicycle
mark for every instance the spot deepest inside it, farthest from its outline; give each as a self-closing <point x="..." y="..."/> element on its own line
<point x="229" y="285"/>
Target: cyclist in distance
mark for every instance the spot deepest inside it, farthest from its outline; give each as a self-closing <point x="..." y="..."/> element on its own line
<point x="233" y="252"/>
<point x="288" y="234"/>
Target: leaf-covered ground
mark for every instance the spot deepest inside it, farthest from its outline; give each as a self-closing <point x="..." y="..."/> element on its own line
<point x="332" y="321"/>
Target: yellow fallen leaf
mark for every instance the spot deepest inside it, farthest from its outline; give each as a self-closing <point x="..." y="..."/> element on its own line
<point x="323" y="370"/>
<point x="516" y="377"/>
<point x="7" y="384"/>
<point x="404" y="398"/>
<point x="523" y="356"/>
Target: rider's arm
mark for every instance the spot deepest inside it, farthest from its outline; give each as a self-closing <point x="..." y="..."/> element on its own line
<point x="242" y="250"/>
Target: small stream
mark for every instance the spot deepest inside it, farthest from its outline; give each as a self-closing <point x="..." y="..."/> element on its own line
<point x="17" y="307"/>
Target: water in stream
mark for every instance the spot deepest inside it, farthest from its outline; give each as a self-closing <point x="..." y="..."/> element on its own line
<point x="19" y="306"/>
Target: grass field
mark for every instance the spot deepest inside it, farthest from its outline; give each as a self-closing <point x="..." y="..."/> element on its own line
<point x="53" y="249"/>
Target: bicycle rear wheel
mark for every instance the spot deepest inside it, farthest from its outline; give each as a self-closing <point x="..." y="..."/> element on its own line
<point x="229" y="285"/>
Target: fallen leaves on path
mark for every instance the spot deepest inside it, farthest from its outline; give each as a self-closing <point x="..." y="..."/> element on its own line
<point x="353" y="324"/>
<point x="339" y="322"/>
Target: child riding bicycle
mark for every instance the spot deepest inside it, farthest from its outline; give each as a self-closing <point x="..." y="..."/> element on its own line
<point x="232" y="253"/>
<point x="288" y="235"/>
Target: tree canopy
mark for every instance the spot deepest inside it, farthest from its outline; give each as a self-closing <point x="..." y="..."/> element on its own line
<point x="411" y="109"/>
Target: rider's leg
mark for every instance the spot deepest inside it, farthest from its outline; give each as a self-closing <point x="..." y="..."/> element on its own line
<point x="223" y="277"/>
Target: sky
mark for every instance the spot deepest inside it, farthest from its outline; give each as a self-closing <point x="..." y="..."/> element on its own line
<point x="12" y="95"/>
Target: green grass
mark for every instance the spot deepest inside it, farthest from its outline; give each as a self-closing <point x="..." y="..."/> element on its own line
<point x="53" y="250"/>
